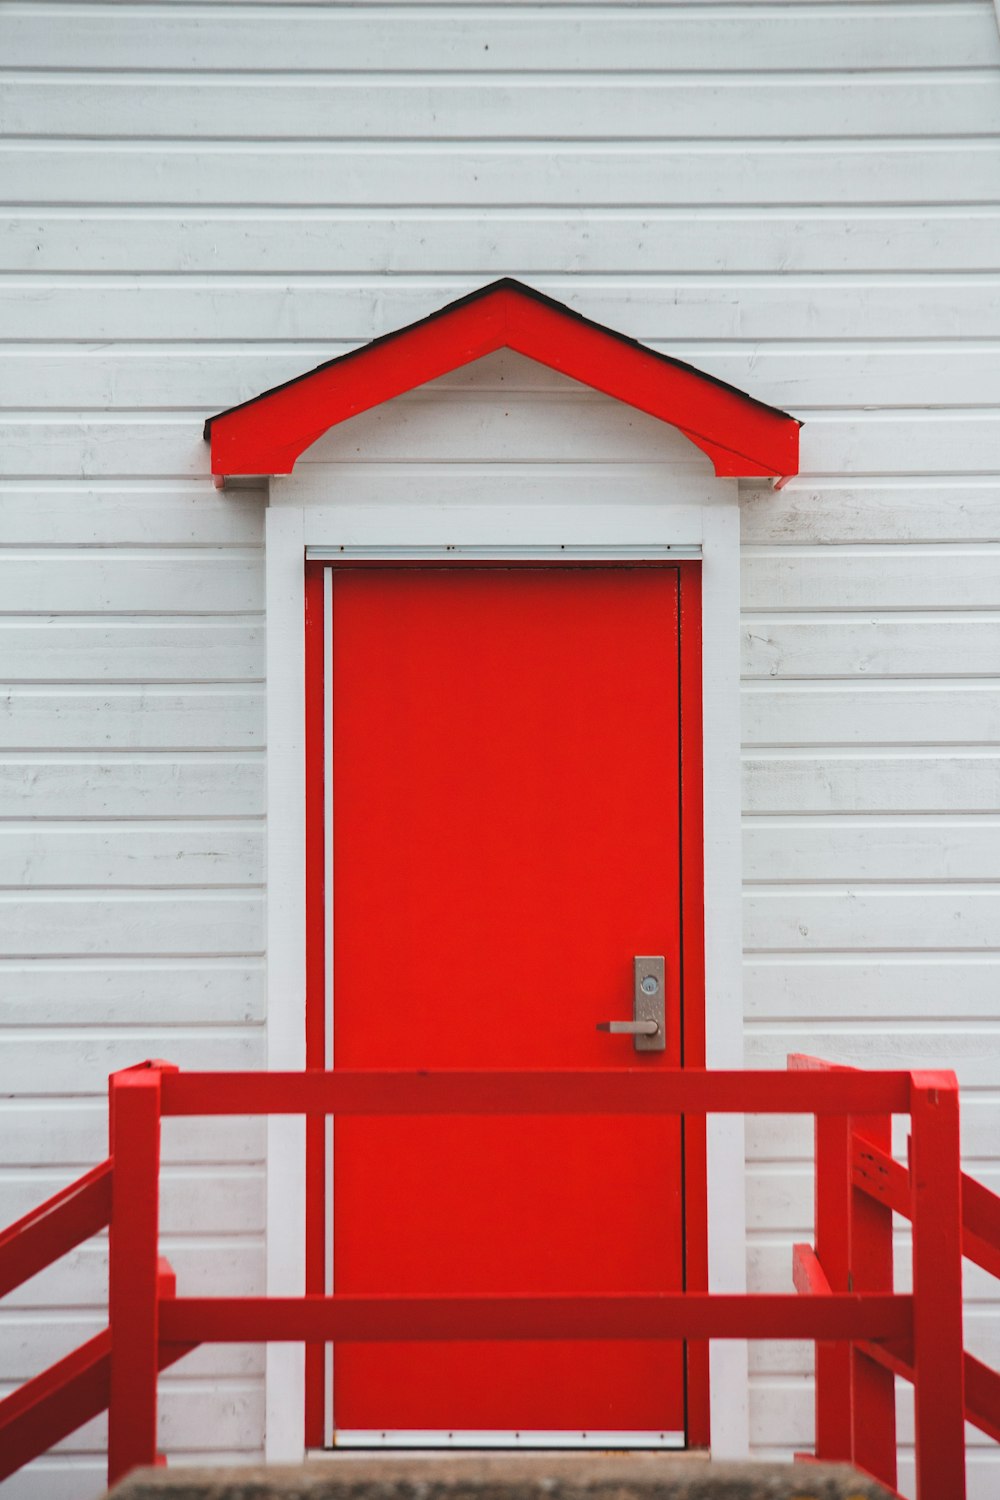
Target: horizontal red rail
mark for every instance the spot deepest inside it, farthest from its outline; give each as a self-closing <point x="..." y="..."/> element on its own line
<point x="882" y="1177"/>
<point x="612" y="1091"/>
<point x="690" y="1315"/>
<point x="55" y="1227"/>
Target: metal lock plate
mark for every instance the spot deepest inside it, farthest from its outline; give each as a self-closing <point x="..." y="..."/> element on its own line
<point x="648" y="1000"/>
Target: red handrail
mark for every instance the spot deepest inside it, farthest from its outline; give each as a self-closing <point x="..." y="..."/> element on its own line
<point x="612" y="1091"/>
<point x="882" y="1177"/>
<point x="844" y="1301"/>
<point x="62" y="1398"/>
<point x="691" y="1315"/>
<point x="56" y="1226"/>
<point x="864" y="1186"/>
<point x="73" y="1390"/>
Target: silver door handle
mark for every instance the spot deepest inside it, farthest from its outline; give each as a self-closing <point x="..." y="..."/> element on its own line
<point x="629" y="1028"/>
<point x="648" y="1024"/>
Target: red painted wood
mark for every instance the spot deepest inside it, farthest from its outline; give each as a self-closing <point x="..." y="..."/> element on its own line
<point x="981" y="1225"/>
<point x="506" y="837"/>
<point x="315" y="1016"/>
<point x="855" y="1396"/>
<point x="938" y="1364"/>
<point x="699" y="1431"/>
<point x="74" y="1390"/>
<point x="166" y="1278"/>
<point x="879" y="1175"/>
<point x="895" y="1354"/>
<point x="609" y="1091"/>
<point x="740" y="435"/>
<point x="645" y="1319"/>
<point x="873" y="1388"/>
<point x="982" y="1385"/>
<point x="834" y="1425"/>
<point x="133" y="1271"/>
<point x="55" y="1227"/>
<point x="916" y="1338"/>
<point x="53" y="1404"/>
<point x="883" y="1178"/>
<point x="267" y="435"/>
<point x="43" y="1411"/>
<point x="982" y="1397"/>
<point x="808" y="1276"/>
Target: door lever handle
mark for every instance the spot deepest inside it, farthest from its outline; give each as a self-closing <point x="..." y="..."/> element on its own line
<point x="648" y="1024"/>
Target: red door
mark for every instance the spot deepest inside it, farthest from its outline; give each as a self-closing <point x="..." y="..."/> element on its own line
<point x="506" y="837"/>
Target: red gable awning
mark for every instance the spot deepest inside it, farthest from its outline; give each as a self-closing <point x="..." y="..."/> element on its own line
<point x="740" y="435"/>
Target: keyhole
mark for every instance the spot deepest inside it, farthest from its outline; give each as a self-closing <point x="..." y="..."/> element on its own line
<point x="649" y="984"/>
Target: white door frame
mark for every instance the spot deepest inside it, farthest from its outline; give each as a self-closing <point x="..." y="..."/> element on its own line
<point x="698" y="518"/>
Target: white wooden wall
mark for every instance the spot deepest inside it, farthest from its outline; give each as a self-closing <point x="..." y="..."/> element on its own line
<point x="803" y="198"/>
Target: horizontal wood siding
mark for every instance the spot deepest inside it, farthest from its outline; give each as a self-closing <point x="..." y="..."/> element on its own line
<point x="801" y="198"/>
<point x="131" y="847"/>
<point x="872" y="785"/>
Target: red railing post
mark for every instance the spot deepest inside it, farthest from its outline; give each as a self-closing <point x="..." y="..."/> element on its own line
<point x="133" y="1300"/>
<point x="938" y="1363"/>
<point x="873" y="1387"/>
<point x="834" y="1428"/>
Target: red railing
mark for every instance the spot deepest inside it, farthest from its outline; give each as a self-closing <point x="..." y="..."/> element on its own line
<point x="859" y="1186"/>
<point x="864" y="1330"/>
<point x="55" y="1227"/>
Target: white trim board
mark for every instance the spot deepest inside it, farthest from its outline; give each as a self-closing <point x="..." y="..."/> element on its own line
<point x="286" y="967"/>
<point x="701" y="516"/>
<point x="562" y="553"/>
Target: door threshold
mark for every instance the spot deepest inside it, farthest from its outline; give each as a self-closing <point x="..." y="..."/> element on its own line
<point x="398" y="1442"/>
<point x="493" y="1456"/>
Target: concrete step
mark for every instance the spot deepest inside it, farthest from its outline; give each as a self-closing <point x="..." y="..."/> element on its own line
<point x="507" y="1477"/>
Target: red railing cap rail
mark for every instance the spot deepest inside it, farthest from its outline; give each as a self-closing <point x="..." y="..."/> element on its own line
<point x="537" y="1092"/>
<point x="378" y="1319"/>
